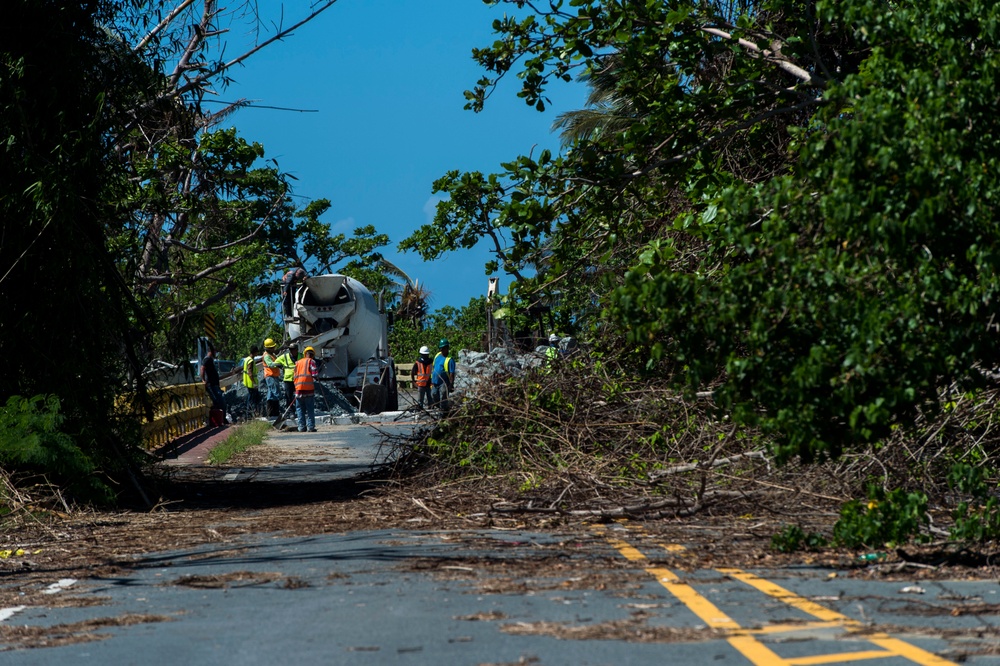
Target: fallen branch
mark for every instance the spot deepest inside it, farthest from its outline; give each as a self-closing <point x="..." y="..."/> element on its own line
<point x="684" y="505"/>
<point x="691" y="467"/>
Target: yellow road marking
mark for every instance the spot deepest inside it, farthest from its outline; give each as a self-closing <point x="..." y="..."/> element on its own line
<point x="748" y="646"/>
<point x="908" y="651"/>
<point x="790" y="598"/>
<point x="794" y="626"/>
<point x="744" y="640"/>
<point x="629" y="552"/>
<point x="894" y="645"/>
<point x="840" y="657"/>
<point x="699" y="605"/>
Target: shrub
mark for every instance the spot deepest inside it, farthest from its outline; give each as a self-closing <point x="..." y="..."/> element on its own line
<point x="977" y="519"/>
<point x="886" y="519"/>
<point x="32" y="443"/>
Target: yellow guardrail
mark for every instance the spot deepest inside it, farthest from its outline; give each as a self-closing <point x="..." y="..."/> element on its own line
<point x="177" y="411"/>
<point x="403" y="378"/>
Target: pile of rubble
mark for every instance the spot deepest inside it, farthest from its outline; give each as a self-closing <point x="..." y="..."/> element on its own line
<point x="473" y="366"/>
<point x="329" y="402"/>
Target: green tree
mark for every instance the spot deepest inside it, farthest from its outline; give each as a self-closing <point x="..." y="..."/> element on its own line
<point x="70" y="321"/>
<point x="607" y="110"/>
<point x="210" y="225"/>
<point x="464" y="328"/>
<point x="850" y="291"/>
<point x="800" y="212"/>
<point x="463" y="219"/>
<point x="670" y="111"/>
<point x="130" y="210"/>
<point x="299" y="238"/>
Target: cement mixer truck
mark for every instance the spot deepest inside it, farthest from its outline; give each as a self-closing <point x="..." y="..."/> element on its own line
<point x="339" y="317"/>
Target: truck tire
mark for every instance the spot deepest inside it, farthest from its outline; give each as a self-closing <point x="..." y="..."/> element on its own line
<point x="388" y="380"/>
<point x="373" y="399"/>
<point x="392" y="399"/>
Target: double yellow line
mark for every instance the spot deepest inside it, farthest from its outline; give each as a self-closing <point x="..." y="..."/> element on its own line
<point x="745" y="640"/>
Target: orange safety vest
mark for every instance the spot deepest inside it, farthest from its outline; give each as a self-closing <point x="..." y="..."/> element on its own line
<point x="268" y="370"/>
<point x="305" y="370"/>
<point x="422" y="376"/>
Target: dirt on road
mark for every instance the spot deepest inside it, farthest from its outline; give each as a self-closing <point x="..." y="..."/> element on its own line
<point x="196" y="508"/>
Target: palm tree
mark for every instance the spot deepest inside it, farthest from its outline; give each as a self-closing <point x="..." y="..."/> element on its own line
<point x="413" y="304"/>
<point x="412" y="296"/>
<point x="607" y="111"/>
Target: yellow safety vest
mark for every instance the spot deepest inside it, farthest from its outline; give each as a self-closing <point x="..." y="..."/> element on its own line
<point x="288" y="364"/>
<point x="249" y="372"/>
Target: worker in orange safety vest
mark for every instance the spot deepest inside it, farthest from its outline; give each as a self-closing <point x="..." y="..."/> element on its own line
<point x="305" y="390"/>
<point x="421" y="374"/>
<point x="272" y="377"/>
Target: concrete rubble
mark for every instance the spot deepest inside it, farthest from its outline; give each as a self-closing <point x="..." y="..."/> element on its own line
<point x="473" y="367"/>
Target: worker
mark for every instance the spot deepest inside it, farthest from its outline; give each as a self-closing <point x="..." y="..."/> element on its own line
<point x="251" y="382"/>
<point x="287" y="364"/>
<point x="288" y="282"/>
<point x="305" y="390"/>
<point x="442" y="376"/>
<point x="552" y="351"/>
<point x="272" y="378"/>
<point x="421" y="374"/>
<point x="209" y="374"/>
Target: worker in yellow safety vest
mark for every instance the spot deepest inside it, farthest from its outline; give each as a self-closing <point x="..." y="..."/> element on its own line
<point x="442" y="377"/>
<point x="552" y="351"/>
<point x="287" y="364"/>
<point x="251" y="382"/>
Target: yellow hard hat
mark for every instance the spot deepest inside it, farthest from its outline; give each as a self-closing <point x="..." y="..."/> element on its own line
<point x="269" y="344"/>
<point x="308" y="349"/>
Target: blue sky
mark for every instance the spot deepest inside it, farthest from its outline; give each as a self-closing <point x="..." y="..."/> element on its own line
<point x="386" y="78"/>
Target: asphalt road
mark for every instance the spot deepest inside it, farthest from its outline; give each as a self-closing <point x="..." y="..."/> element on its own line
<point x="611" y="595"/>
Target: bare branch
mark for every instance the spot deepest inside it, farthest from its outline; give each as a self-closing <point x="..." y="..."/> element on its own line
<point x="201" y="78"/>
<point x="770" y="56"/>
<point x="229" y="288"/>
<point x="198" y="33"/>
<point x="168" y="19"/>
<point x="729" y="131"/>
<point x="691" y="467"/>
<point x="172" y="278"/>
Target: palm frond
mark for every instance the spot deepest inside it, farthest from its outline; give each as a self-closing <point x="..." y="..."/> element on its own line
<point x="395" y="271"/>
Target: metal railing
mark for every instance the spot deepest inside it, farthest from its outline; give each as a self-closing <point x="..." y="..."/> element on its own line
<point x="177" y="411"/>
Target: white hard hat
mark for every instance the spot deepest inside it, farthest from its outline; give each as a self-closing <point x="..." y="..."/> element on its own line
<point x="425" y="350"/>
<point x="553" y="338"/>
